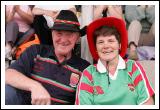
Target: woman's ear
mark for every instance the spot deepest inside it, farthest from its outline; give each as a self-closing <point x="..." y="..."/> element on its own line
<point x="119" y="46"/>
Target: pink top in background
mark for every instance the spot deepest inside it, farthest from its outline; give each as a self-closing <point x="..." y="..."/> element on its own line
<point x="23" y="26"/>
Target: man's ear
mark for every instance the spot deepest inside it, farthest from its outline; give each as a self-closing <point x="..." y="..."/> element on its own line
<point x="78" y="38"/>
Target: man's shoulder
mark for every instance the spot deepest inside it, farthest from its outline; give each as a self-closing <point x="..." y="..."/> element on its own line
<point x="81" y="62"/>
<point x="40" y="47"/>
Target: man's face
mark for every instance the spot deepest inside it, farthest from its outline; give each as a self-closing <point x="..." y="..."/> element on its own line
<point x="64" y="41"/>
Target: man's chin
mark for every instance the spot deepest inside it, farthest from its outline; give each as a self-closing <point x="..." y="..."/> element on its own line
<point x="64" y="53"/>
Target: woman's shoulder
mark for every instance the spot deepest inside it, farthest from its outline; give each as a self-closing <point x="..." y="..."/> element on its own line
<point x="132" y="62"/>
<point x="91" y="68"/>
<point x="129" y="61"/>
<point x="133" y="65"/>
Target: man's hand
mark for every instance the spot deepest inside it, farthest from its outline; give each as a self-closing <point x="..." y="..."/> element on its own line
<point x="39" y="95"/>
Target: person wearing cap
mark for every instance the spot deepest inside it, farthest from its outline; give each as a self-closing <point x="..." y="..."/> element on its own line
<point x="112" y="80"/>
<point x="46" y="74"/>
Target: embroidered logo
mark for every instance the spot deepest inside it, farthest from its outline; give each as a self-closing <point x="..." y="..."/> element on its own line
<point x="74" y="79"/>
<point x="98" y="90"/>
<point x="131" y="87"/>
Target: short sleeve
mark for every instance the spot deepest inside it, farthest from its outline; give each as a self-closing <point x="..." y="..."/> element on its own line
<point x="84" y="95"/>
<point x="25" y="62"/>
<point x="141" y="83"/>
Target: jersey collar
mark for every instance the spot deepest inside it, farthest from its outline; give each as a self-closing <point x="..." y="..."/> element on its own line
<point x="102" y="69"/>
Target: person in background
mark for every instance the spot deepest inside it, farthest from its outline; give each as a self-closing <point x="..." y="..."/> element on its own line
<point x="18" y="27"/>
<point x="112" y="80"/>
<point x="108" y="10"/>
<point x="139" y="17"/>
<point x="46" y="74"/>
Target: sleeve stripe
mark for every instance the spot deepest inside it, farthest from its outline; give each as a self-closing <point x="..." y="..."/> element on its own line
<point x="86" y="87"/>
<point x="77" y="101"/>
<point x="137" y="79"/>
<point x="82" y="86"/>
<point x="77" y="96"/>
<point x="88" y="75"/>
<point x="134" y="68"/>
<point x="144" y="77"/>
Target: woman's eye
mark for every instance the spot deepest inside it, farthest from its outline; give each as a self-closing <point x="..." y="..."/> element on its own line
<point x="99" y="42"/>
<point x="111" y="41"/>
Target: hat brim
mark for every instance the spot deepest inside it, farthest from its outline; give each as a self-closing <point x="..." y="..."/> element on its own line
<point x="65" y="27"/>
<point x="111" y="22"/>
<point x="70" y="28"/>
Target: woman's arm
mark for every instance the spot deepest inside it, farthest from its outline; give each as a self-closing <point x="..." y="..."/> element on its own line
<point x="27" y="16"/>
<point x="9" y="14"/>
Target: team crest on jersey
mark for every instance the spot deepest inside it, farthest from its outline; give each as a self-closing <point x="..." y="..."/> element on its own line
<point x="74" y="79"/>
<point x="131" y="87"/>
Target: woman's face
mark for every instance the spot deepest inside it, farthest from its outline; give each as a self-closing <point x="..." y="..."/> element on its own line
<point x="107" y="47"/>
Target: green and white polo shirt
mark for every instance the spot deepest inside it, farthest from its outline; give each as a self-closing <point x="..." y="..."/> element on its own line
<point x="128" y="86"/>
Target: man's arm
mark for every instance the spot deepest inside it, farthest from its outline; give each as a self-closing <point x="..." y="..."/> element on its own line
<point x="115" y="11"/>
<point x="39" y="95"/>
<point x="73" y="10"/>
<point x="39" y="11"/>
<point x="98" y="11"/>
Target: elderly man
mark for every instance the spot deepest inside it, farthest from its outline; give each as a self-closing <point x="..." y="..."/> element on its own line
<point x="48" y="74"/>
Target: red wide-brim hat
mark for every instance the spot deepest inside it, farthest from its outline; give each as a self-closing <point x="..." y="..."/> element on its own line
<point x="119" y="24"/>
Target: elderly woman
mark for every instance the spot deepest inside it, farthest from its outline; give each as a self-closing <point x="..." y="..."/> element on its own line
<point x="112" y="80"/>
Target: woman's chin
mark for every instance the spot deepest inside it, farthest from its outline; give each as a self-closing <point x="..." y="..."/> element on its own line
<point x="107" y="58"/>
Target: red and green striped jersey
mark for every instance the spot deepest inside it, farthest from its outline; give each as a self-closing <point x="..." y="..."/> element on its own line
<point x="60" y="79"/>
<point x="128" y="86"/>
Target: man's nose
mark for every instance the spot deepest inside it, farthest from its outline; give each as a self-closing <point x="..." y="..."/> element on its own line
<point x="64" y="38"/>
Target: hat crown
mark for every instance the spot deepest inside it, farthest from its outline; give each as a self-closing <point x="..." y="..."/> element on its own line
<point x="66" y="20"/>
<point x="67" y="15"/>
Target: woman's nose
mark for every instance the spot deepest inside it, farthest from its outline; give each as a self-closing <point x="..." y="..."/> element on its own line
<point x="106" y="45"/>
